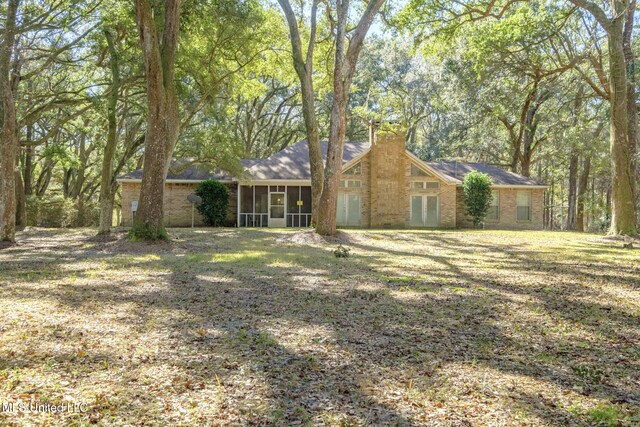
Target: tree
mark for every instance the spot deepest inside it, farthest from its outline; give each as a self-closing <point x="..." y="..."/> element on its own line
<point x="347" y="51"/>
<point x="303" y="65"/>
<point x="215" y="202"/>
<point x="477" y="195"/>
<point x="583" y="183"/>
<point x="158" y="28"/>
<point x="8" y="131"/>
<point x="623" y="145"/>
<point x="106" y="184"/>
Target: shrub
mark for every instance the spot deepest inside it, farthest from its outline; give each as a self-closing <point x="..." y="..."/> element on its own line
<point x="342" y="252"/>
<point x="477" y="195"/>
<point x="215" y="202"/>
<point x="141" y="231"/>
<point x="57" y="211"/>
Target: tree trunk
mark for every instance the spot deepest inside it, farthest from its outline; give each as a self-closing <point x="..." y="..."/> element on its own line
<point x="326" y="224"/>
<point x="8" y="130"/>
<point x="163" y="121"/>
<point x="303" y="66"/>
<point x="28" y="162"/>
<point x="573" y="179"/>
<point x="607" y="204"/>
<point x="106" y="182"/>
<point x="632" y="108"/>
<point x="21" y="203"/>
<point x="582" y="193"/>
<point x="622" y="148"/>
<point x="345" y="61"/>
<point x="552" y="209"/>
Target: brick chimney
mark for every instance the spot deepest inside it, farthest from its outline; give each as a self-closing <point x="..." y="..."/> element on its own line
<point x="388" y="175"/>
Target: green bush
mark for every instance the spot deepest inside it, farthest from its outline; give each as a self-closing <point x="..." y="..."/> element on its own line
<point x="59" y="212"/>
<point x="477" y="195"/>
<point x="215" y="202"/>
<point x="144" y="232"/>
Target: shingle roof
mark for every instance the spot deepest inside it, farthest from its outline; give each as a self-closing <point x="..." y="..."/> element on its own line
<point x="457" y="170"/>
<point x="293" y="162"/>
<point x="187" y="170"/>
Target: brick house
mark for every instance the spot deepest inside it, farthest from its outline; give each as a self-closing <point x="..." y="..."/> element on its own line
<point x="382" y="185"/>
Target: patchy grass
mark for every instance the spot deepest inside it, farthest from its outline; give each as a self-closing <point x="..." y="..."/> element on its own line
<point x="238" y="327"/>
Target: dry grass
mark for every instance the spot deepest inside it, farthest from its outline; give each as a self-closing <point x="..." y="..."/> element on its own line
<point x="240" y="327"/>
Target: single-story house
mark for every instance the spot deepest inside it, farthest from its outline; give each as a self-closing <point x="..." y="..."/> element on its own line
<point x="382" y="185"/>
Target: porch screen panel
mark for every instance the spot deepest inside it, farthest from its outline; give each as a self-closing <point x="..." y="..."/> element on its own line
<point x="416" y="211"/>
<point x="293" y="195"/>
<point x="246" y="199"/>
<point x="262" y="199"/>
<point x="262" y="206"/>
<point x="353" y="209"/>
<point x="305" y="196"/>
<point x="432" y="211"/>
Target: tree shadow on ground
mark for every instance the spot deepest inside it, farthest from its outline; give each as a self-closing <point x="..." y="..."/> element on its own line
<point x="331" y="340"/>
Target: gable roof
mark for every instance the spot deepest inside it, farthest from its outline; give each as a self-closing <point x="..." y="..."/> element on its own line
<point x="293" y="162"/>
<point x="456" y="171"/>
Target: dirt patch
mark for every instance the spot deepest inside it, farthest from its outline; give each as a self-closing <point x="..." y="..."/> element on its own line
<point x="310" y="237"/>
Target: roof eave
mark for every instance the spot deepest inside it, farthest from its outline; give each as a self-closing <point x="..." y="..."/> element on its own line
<point x="176" y="181"/>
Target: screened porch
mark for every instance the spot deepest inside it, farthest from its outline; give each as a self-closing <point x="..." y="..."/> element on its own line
<point x="274" y="206"/>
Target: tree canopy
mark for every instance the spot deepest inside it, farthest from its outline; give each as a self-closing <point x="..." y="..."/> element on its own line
<point x="544" y="88"/>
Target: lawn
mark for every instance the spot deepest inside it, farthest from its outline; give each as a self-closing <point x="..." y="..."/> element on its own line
<point x="245" y="327"/>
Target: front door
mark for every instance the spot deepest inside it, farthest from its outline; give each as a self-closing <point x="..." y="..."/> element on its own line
<point x="277" y="203"/>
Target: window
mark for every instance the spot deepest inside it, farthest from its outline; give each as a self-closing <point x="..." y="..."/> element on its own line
<point x="425" y="211"/>
<point x="493" y="213"/>
<point x="432" y="185"/>
<point x="422" y="185"/>
<point x="523" y="203"/>
<point x="416" y="171"/>
<point x="350" y="183"/>
<point x="348" y="211"/>
<point x="354" y="170"/>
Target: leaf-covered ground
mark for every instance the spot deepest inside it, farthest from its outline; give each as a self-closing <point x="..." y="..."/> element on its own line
<point x="244" y="327"/>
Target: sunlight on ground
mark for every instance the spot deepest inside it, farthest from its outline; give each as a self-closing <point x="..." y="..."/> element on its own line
<point x="236" y="326"/>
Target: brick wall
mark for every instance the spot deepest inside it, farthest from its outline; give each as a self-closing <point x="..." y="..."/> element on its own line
<point x="388" y="192"/>
<point x="448" y="205"/>
<point x="177" y="209"/>
<point x="508" y="215"/>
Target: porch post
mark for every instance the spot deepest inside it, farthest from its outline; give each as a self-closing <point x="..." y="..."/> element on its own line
<point x="238" y="206"/>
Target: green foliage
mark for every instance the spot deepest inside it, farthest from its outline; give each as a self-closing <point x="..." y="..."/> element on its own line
<point x="61" y="212"/>
<point x="342" y="252"/>
<point x="604" y="415"/>
<point x="215" y="202"/>
<point x="477" y="195"/>
<point x="142" y="231"/>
